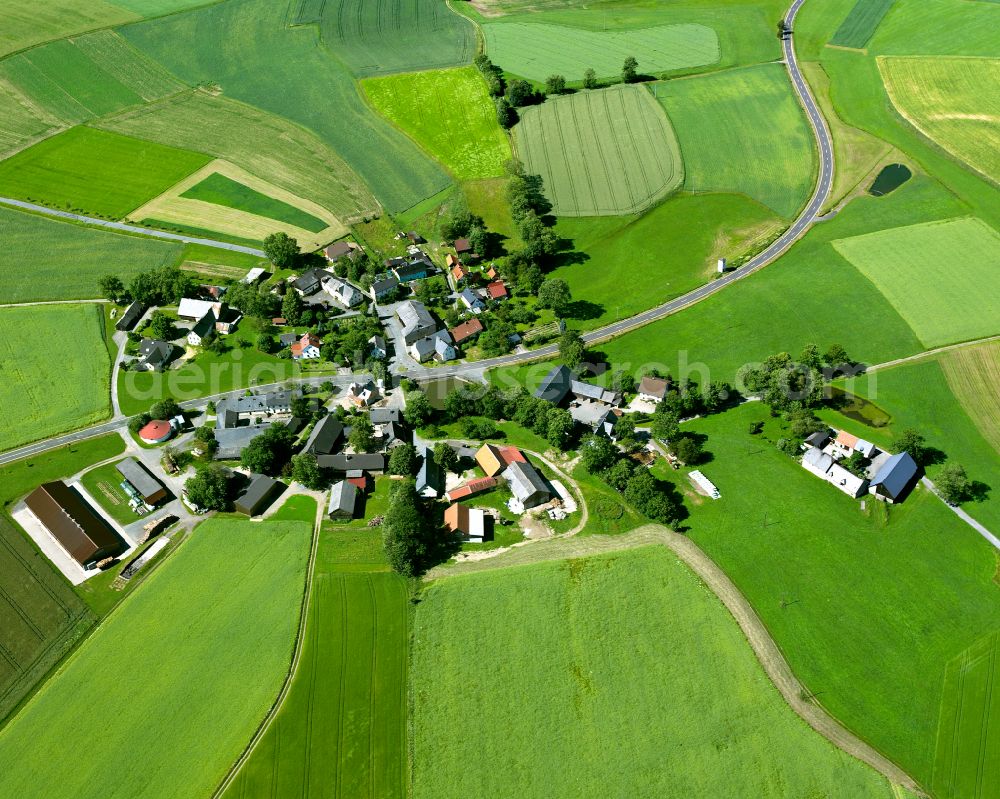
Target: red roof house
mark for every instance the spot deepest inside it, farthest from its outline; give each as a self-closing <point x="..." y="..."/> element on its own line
<point x="306" y="347"/>
<point x="463" y="246"/>
<point x="476" y="486"/>
<point x="497" y="290"/>
<point x="466" y="330"/>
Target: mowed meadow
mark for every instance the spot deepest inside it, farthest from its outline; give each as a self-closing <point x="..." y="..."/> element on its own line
<point x="182" y="672"/>
<point x="619" y="674"/>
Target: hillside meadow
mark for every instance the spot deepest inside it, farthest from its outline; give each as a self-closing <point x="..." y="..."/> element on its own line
<point x="973" y="373"/>
<point x="602" y="152"/>
<point x="199" y="653"/>
<point x="528" y="663"/>
<point x="67" y="260"/>
<point x="39" y="398"/>
<point x="450" y="114"/>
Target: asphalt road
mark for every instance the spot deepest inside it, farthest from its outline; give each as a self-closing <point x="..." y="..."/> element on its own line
<point x="802" y="223"/>
<point x="122" y="226"/>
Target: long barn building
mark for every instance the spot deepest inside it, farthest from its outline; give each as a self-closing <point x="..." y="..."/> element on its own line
<point x="74" y="524"/>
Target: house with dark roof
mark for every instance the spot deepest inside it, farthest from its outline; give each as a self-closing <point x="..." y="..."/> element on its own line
<point x="412" y="267"/>
<point x="588" y="392"/>
<point x="463" y="246"/>
<point x="555" y="386"/>
<point x="382" y="289"/>
<point x="430" y="477"/>
<point x="258" y="495"/>
<point x="343" y="502"/>
<point x="385" y="416"/>
<point x="372" y="462"/>
<point x="597" y="417"/>
<point x="131" y="315"/>
<point x="311" y="281"/>
<point x="326" y="437"/>
<point x="74" y="524"/>
<point x="896" y="477"/>
<point x="233" y="440"/>
<point x="415" y="320"/>
<point x="527" y="485"/>
<point x="154" y="354"/>
<point x="145" y="485"/>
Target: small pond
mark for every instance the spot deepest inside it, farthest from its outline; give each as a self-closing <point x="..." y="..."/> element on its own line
<point x="856" y="408"/>
<point x="890" y="178"/>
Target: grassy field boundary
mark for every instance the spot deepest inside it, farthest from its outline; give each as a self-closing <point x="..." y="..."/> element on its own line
<point x="861" y="23"/>
<point x="767" y="651"/>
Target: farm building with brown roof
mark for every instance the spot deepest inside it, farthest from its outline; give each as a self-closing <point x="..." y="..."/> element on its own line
<point x="493" y="459"/>
<point x="74" y="524"/>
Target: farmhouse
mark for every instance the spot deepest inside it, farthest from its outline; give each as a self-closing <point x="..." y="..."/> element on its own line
<point x="310" y="282"/>
<point x="471" y="301"/>
<point x="653" y="389"/>
<point x="471" y="488"/>
<point x="463" y="246"/>
<point x="233" y="440"/>
<point x="236" y="410"/>
<point x="144" y="484"/>
<point x="414" y="267"/>
<point x="588" y="392"/>
<point x="209" y="317"/>
<point x="325" y="437"/>
<point x="154" y="354"/>
<point x="347" y="294"/>
<point x="497" y="290"/>
<point x="73" y="523"/>
<point x="526" y="484"/>
<point x="306" y="348"/>
<point x="384" y="288"/>
<point x="555" y="386"/>
<point x="366" y="461"/>
<point x="895" y="478"/>
<point x="156" y="431"/>
<point x="473" y="524"/>
<point x="415" y="320"/>
<point x="438" y="346"/>
<point x="823" y="466"/>
<point x="493" y="459"/>
<point x="343" y="249"/>
<point x="258" y="495"/>
<point x="597" y="417"/>
<point x="363" y="395"/>
<point x="343" y="500"/>
<point x="466" y="331"/>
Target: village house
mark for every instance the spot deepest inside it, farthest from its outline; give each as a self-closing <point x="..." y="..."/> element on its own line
<point x="372" y="462"/>
<point x="343" y="249"/>
<point x="471" y="301"/>
<point x="254" y="275"/>
<point x="413" y="267"/>
<point x="326" y="437"/>
<point x="895" y="478"/>
<point x="310" y="282"/>
<point x="209" y="317"/>
<point x="383" y="289"/>
<point x="306" y="348"/>
<point x="555" y="386"/>
<point x="154" y="354"/>
<point x="347" y="294"/>
<point x="438" y="346"/>
<point x="527" y="485"/>
<point x="472" y="524"/>
<point x="823" y="466"/>
<point x="493" y="459"/>
<point x="378" y="348"/>
<point x="463" y="246"/>
<point x="497" y="290"/>
<point x="458" y="271"/>
<point x="653" y="389"/>
<point x="415" y="320"/>
<point x="588" y="392"/>
<point x="597" y="417"/>
<point x="430" y="477"/>
<point x="130" y="316"/>
<point x="363" y="395"/>
<point x="259" y="494"/>
<point x="467" y="331"/>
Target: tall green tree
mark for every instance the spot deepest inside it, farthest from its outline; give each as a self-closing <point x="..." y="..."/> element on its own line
<point x="112" y="288"/>
<point x="630" y="70"/>
<point x="554" y="293"/>
<point x="209" y="488"/>
<point x="912" y="442"/>
<point x="306" y="471"/>
<point x="572" y="349"/>
<point x="362" y="438"/>
<point x="405" y="530"/>
<point x="953" y="483"/>
<point x="281" y="250"/>
<point x="555" y="84"/>
<point x="589" y="79"/>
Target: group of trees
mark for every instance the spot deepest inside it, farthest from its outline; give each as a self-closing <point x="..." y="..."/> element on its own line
<point x="787" y="384"/>
<point x="281" y="250"/>
<point x="641" y="490"/>
<point x="209" y="488"/>
<point x="270" y="452"/>
<point x="167" y="285"/>
<point x="164" y="409"/>
<point x="406" y="530"/>
<point x="504" y="97"/>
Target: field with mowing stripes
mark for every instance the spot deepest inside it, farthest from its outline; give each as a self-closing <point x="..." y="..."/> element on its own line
<point x="604" y="152"/>
<point x="861" y="23"/>
<point x="199" y="652"/>
<point x="973" y="373"/>
<point x="743" y="131"/>
<point x="955" y="102"/>
<point x="96" y="172"/>
<point x="72" y="259"/>
<point x="967" y="765"/>
<point x="556" y="709"/>
<point x="341" y="730"/>
<point x="294" y="159"/>
<point x="537" y="50"/>
<point x="37" y="399"/>
<point x="450" y="114"/>
<point x="379" y="38"/>
<point x="943" y="304"/>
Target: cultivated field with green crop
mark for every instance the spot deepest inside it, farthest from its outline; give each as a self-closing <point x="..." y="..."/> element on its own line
<point x="379" y="38"/>
<point x="66" y="260"/>
<point x="197" y="655"/>
<point x="605" y="152"/>
<point x="537" y="50"/>
<point x="341" y="730"/>
<point x="743" y="131"/>
<point x="54" y="371"/>
<point x="294" y="159"/>
<point x="955" y="102"/>
<point x="974" y="376"/>
<point x="968" y="755"/>
<point x="95" y="171"/>
<point x="875" y="655"/>
<point x="221" y="190"/>
<point x="296" y="77"/>
<point x="942" y="277"/>
<point x="861" y="22"/>
<point x="939" y="27"/>
<point x="450" y="114"/>
<point x="556" y="710"/>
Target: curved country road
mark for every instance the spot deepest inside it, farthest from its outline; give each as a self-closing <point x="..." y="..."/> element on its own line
<point x="767" y="651"/>
<point x="803" y="222"/>
<point x="126" y="228"/>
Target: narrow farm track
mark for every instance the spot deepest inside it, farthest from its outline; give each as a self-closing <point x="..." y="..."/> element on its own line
<point x="767" y="651"/>
<point x="123" y="227"/>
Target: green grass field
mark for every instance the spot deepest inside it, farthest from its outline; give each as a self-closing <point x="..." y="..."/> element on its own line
<point x="973" y="374"/>
<point x="39" y="398"/>
<point x="196" y="655"/>
<point x="875" y="655"/>
<point x="527" y="662"/>
<point x="537" y="50"/>
<point x="603" y="152"/>
<point x="939" y="27"/>
<point x="104" y="485"/>
<point x="669" y="250"/>
<point x="297" y="508"/>
<point x="968" y="758"/>
<point x="450" y="114"/>
<point x="941" y="303"/>
<point x="861" y="23"/>
<point x="294" y="76"/>
<point x="743" y="131"/>
<point x="66" y="260"/>
<point x="225" y="191"/>
<point x="379" y="38"/>
<point x="96" y="172"/>
<point x="955" y="102"/>
<point x="341" y="730"/>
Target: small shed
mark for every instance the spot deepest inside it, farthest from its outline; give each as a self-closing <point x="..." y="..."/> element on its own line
<point x="258" y="495"/>
<point x="343" y="500"/>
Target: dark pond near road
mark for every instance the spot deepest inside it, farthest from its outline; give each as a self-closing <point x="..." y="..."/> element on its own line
<point x="890" y="178"/>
